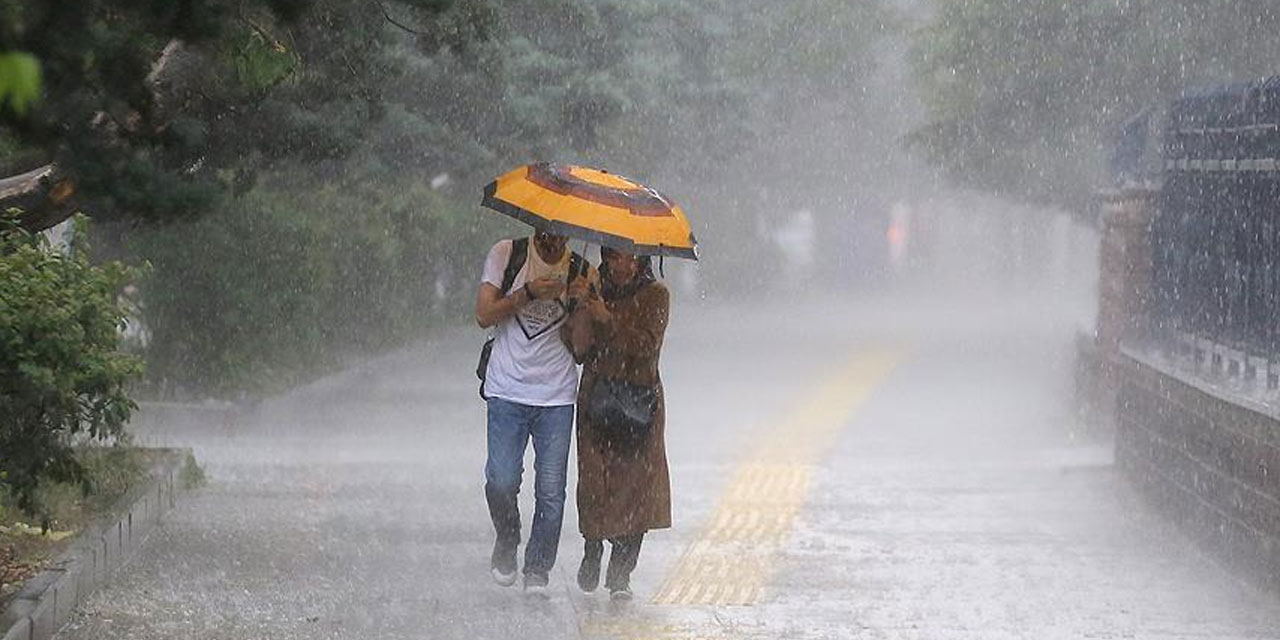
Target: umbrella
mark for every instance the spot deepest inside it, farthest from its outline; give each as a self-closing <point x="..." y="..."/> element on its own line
<point x="593" y="205"/>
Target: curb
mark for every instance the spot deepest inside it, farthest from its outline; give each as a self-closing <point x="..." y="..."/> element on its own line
<point x="45" y="602"/>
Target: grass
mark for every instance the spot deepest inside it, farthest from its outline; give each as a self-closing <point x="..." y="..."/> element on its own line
<point x="28" y="543"/>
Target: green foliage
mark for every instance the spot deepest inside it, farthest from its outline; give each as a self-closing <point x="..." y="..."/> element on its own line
<point x="62" y="378"/>
<point x="751" y="109"/>
<point x="19" y="81"/>
<point x="192" y="475"/>
<point x="108" y="473"/>
<point x="1021" y="94"/>
<point x="99" y="115"/>
<point x="277" y="285"/>
<point x="261" y="62"/>
<point x="334" y="245"/>
<point x="127" y="83"/>
<point x="112" y="470"/>
<point x="268" y="158"/>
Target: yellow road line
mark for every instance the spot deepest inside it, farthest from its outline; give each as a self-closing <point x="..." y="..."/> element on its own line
<point x="732" y="559"/>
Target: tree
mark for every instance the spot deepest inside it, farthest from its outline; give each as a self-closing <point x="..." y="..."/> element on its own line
<point x="272" y="159"/>
<point x="62" y="376"/>
<point x="1022" y="95"/>
<point x="150" y="109"/>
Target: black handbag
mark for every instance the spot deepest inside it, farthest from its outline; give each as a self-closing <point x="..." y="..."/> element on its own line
<point x="621" y="412"/>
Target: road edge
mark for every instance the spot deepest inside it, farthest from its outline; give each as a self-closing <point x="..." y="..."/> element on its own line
<point x="46" y="602"/>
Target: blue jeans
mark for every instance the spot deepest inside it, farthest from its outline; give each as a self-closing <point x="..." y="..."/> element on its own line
<point x="511" y="425"/>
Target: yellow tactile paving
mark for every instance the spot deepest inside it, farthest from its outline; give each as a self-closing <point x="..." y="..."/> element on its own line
<point x="734" y="556"/>
<point x="628" y="629"/>
<point x="732" y="559"/>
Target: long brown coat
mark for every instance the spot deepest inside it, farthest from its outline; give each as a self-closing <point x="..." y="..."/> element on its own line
<point x="623" y="493"/>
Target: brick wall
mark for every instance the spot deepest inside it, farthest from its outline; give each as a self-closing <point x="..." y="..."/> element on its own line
<point x="1209" y="461"/>
<point x="1124" y="298"/>
<point x="1124" y="266"/>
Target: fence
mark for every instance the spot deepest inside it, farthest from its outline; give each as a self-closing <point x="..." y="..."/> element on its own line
<point x="1216" y="233"/>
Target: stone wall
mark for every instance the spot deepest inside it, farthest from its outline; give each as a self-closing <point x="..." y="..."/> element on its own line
<point x="1208" y="460"/>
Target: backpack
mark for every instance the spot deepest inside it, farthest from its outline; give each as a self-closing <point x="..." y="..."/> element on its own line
<point x="519" y="253"/>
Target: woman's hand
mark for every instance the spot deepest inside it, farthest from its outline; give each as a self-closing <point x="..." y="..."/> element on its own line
<point x="599" y="311"/>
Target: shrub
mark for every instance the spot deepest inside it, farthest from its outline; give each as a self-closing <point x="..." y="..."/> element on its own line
<point x="281" y="285"/>
<point x="62" y="377"/>
<point x="191" y="475"/>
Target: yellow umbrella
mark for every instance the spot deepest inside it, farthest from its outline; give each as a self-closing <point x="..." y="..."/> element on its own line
<point x="593" y="205"/>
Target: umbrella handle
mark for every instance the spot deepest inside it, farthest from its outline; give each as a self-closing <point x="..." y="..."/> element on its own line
<point x="584" y="258"/>
<point x="586" y="267"/>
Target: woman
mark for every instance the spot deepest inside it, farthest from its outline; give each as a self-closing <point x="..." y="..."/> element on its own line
<point x="623" y="487"/>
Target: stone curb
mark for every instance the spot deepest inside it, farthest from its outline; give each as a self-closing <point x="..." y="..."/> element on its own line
<point x="45" y="603"/>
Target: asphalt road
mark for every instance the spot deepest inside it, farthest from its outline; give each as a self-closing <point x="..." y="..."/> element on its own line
<point x="841" y="468"/>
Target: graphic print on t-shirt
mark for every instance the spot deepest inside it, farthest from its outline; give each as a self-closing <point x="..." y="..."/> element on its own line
<point x="539" y="317"/>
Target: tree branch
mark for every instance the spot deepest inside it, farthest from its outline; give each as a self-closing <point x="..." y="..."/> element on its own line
<point x="386" y="14"/>
<point x="44" y="196"/>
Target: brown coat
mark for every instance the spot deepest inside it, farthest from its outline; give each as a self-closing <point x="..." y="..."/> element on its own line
<point x="624" y="493"/>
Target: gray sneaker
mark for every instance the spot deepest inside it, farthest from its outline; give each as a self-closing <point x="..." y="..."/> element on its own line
<point x="502" y="564"/>
<point x="503" y="579"/>
<point x="535" y="584"/>
<point x="620" y="595"/>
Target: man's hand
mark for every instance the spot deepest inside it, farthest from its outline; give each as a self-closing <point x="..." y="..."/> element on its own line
<point x="546" y="288"/>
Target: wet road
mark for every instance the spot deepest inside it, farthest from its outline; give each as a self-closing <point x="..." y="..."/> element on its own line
<point x="879" y="469"/>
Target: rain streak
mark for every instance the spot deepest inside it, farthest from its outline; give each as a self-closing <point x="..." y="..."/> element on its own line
<point x="639" y="319"/>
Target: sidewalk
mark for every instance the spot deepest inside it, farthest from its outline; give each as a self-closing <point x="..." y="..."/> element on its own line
<point x="948" y="499"/>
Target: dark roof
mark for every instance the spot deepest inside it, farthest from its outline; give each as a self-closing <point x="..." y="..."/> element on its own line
<point x="1239" y="121"/>
<point x="1227" y="105"/>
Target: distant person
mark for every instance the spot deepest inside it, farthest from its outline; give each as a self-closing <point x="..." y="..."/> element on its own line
<point x="623" y="486"/>
<point x="530" y="384"/>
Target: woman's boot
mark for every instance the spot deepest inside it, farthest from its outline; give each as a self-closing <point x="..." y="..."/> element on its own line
<point x="622" y="560"/>
<point x="589" y="570"/>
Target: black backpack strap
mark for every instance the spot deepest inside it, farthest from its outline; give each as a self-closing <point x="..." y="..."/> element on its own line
<point x="519" y="252"/>
<point x="515" y="262"/>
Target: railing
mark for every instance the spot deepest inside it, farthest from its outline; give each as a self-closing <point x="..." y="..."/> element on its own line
<point x="1216" y="233"/>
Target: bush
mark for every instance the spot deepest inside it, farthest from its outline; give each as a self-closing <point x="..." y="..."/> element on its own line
<point x="107" y="474"/>
<point x="191" y="475"/>
<point x="285" y="283"/>
<point x="62" y="376"/>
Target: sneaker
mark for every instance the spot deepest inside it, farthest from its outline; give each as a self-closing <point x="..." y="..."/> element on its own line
<point x="535" y="584"/>
<point x="620" y="595"/>
<point x="502" y="564"/>
<point x="503" y="579"/>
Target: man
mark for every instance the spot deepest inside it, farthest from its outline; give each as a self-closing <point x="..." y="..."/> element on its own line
<point x="530" y="386"/>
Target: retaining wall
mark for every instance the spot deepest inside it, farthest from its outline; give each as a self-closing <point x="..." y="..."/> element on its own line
<point x="1207" y="457"/>
<point x="46" y="601"/>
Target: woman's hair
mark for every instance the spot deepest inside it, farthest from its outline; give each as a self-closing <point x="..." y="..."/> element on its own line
<point x="644" y="275"/>
<point x="644" y="263"/>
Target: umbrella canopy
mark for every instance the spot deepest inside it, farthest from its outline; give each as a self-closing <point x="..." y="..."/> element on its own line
<point x="593" y="205"/>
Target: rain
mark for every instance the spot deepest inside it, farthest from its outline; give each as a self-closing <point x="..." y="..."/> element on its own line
<point x="937" y="319"/>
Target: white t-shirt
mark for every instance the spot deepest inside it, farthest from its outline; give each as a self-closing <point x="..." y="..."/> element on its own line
<point x="529" y="364"/>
